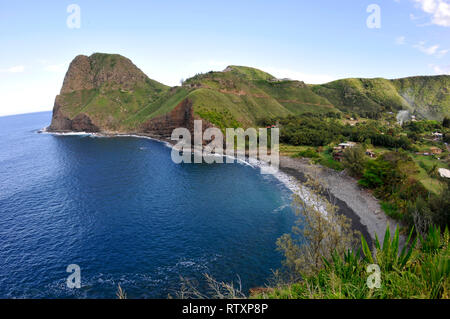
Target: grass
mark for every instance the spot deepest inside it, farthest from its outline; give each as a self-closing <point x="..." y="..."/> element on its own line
<point x="427" y="96"/>
<point x="424" y="164"/>
<point x="324" y="158"/>
<point x="391" y="210"/>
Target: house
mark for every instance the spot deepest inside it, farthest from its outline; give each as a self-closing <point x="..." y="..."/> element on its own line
<point x="435" y="150"/>
<point x="338" y="153"/>
<point x="437" y="136"/>
<point x="444" y="173"/>
<point x="371" y="153"/>
<point x="337" y="156"/>
<point x="347" y="145"/>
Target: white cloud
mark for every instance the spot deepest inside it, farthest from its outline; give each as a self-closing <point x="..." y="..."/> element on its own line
<point x="441" y="69"/>
<point x="13" y="69"/>
<point x="400" y="40"/>
<point x="438" y="9"/>
<point x="431" y="50"/>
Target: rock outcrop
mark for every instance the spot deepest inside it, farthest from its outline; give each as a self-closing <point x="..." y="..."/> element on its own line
<point x="99" y="91"/>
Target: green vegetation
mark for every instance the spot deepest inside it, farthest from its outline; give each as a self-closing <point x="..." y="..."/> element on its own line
<point x="425" y="96"/>
<point x="322" y="259"/>
<point x="120" y="97"/>
<point x="420" y="269"/>
<point x="401" y="170"/>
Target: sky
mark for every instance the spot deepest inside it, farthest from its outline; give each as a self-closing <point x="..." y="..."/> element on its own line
<point x="313" y="41"/>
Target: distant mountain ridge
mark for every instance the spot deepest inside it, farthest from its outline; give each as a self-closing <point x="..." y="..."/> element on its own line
<point x="108" y="93"/>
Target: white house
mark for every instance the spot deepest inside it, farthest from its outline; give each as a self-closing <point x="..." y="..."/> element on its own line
<point x="443" y="172"/>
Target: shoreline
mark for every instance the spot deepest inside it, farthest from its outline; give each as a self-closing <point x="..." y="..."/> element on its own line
<point x="352" y="201"/>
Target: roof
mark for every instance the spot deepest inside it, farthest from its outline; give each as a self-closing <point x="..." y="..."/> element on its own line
<point x="444" y="172"/>
<point x="348" y="144"/>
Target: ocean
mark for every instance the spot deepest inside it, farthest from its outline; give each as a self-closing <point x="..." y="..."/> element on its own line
<point x="120" y="209"/>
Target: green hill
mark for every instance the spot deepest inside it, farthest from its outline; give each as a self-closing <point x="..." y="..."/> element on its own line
<point x="107" y="92"/>
<point x="425" y="96"/>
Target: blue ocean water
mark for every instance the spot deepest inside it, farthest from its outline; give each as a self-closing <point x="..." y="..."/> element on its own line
<point x="126" y="214"/>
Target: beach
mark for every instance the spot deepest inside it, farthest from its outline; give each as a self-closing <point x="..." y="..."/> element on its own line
<point x="353" y="201"/>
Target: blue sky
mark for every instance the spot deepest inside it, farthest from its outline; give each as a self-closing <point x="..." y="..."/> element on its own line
<point x="314" y="41"/>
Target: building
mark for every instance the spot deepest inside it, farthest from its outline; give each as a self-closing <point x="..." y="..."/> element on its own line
<point x="444" y="173"/>
<point x="338" y="151"/>
<point x="347" y="145"/>
<point x="371" y="153"/>
<point x="435" y="150"/>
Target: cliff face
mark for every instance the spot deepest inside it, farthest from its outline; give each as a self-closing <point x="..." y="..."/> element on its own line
<point x="181" y="116"/>
<point x="100" y="92"/>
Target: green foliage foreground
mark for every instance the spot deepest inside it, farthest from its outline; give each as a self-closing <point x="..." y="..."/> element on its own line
<point x="420" y="270"/>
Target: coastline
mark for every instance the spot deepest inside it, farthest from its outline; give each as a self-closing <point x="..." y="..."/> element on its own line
<point x="354" y="202"/>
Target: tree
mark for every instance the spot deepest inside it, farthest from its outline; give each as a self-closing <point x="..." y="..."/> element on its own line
<point x="354" y="160"/>
<point x="446" y="122"/>
<point x="320" y="232"/>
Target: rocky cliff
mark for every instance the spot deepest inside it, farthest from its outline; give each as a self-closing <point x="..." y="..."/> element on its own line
<point x="100" y="92"/>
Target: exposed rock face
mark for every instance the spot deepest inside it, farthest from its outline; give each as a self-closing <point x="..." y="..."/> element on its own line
<point x="82" y="123"/>
<point x="60" y="122"/>
<point x="87" y="73"/>
<point x="79" y="76"/>
<point x="181" y="116"/>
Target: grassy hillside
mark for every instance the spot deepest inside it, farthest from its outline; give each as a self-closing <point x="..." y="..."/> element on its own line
<point x="424" y="96"/>
<point x="242" y="95"/>
<point x="117" y="96"/>
<point x="429" y="96"/>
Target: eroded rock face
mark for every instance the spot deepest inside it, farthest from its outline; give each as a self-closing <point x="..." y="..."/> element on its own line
<point x="60" y="122"/>
<point x="79" y="76"/>
<point x="181" y="116"/>
<point x="93" y="72"/>
<point x="82" y="123"/>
